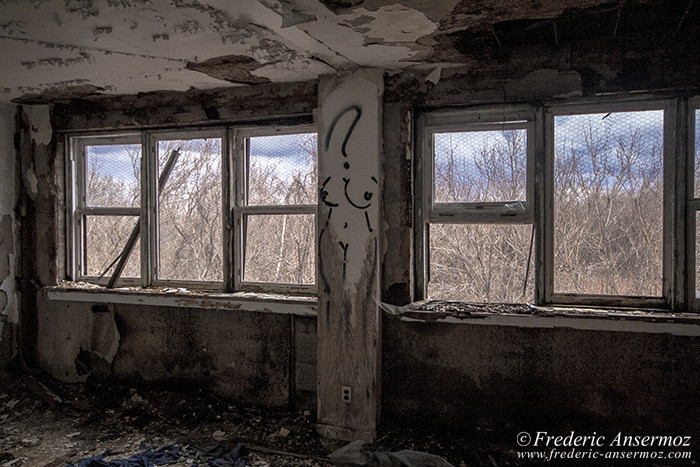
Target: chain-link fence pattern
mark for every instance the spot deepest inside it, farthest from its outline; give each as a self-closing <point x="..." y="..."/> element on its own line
<point x="480" y="166"/>
<point x="608" y="201"/>
<point x="282" y="169"/>
<point x="112" y="175"/>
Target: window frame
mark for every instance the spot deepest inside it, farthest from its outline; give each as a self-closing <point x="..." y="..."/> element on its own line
<point x="234" y="161"/>
<point x="481" y="118"/>
<point x="240" y="209"/>
<point x="152" y="138"/>
<point x="693" y="209"/>
<point x="679" y="204"/>
<point x="669" y="156"/>
<point x="78" y="209"/>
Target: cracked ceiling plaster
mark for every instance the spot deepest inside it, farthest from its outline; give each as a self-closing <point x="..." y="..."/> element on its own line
<point x="60" y="49"/>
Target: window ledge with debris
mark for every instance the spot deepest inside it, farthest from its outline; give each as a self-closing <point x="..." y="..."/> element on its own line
<point x="300" y="305"/>
<point x="531" y="316"/>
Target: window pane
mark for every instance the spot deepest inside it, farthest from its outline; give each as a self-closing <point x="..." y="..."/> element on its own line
<point x="105" y="238"/>
<point x="480" y="166"/>
<point x="112" y="174"/>
<point x="282" y="169"/>
<point x="608" y="194"/>
<point x="697" y="154"/>
<point x="279" y="248"/>
<point x="189" y="211"/>
<point x="480" y="262"/>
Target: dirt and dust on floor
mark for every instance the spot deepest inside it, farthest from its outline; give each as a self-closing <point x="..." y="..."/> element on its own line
<point x="47" y="423"/>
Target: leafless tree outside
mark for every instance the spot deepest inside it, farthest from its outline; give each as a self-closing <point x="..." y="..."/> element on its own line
<point x="278" y="248"/>
<point x="608" y="192"/>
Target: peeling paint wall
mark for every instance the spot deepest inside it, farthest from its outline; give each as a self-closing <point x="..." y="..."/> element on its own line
<point x="237" y="354"/>
<point x="9" y="316"/>
<point x="39" y="180"/>
<point x="348" y="260"/>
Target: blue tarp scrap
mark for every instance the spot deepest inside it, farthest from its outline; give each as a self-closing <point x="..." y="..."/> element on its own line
<point x="214" y="456"/>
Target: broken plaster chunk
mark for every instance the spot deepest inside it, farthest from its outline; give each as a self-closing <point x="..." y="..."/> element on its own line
<point x="219" y="435"/>
<point x="435" y="75"/>
<point x="12" y="403"/>
<point x="284" y="432"/>
<point x="32" y="181"/>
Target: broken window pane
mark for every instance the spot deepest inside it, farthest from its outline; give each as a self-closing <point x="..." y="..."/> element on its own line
<point x="189" y="211"/>
<point x="282" y="169"/>
<point x="480" y="166"/>
<point x="279" y="248"/>
<point x="105" y="238"/>
<point x="608" y="195"/>
<point x="480" y="263"/>
<point x="112" y="175"/>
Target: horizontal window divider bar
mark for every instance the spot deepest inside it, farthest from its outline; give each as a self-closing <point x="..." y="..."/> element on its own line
<point x="456" y="127"/>
<point x="191" y="284"/>
<point x="186" y="133"/>
<point x="272" y="287"/>
<point x="123" y="281"/>
<point x="608" y="300"/>
<point x="104" y="211"/>
<point x="481" y="217"/>
<point x="291" y="209"/>
<point x="275" y="130"/>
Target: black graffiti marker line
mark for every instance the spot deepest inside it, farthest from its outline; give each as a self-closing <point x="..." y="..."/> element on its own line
<point x="351" y="128"/>
<point x="368" y="196"/>
<point x="344" y="246"/>
<point x="324" y="195"/>
<point x="369" y="226"/>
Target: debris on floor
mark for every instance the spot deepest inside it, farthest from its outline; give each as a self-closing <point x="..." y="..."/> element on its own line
<point x="214" y="456"/>
<point x="355" y="454"/>
<point x="51" y="424"/>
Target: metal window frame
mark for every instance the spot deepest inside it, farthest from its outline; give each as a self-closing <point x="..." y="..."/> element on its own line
<point x="240" y="209"/>
<point x="234" y="208"/>
<point x="464" y="120"/>
<point x="669" y="176"/>
<point x="475" y="120"/>
<point x="680" y="207"/>
<point x="76" y="202"/>
<point x="152" y="138"/>
<point x="693" y="208"/>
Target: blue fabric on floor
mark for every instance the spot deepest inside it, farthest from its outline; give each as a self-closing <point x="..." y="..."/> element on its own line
<point x="214" y="456"/>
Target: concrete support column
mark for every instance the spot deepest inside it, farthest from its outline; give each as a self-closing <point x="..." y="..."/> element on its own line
<point x="349" y="325"/>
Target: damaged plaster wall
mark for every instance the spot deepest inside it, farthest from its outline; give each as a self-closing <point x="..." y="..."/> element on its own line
<point x="39" y="180"/>
<point x="258" y="357"/>
<point x="349" y="331"/>
<point x="238" y="354"/>
<point x="9" y="316"/>
<point x="485" y="374"/>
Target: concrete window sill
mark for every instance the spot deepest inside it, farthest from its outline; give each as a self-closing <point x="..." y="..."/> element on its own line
<point x="247" y="301"/>
<point x="527" y="316"/>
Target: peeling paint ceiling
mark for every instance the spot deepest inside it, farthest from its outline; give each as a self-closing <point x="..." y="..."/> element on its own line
<point x="54" y="50"/>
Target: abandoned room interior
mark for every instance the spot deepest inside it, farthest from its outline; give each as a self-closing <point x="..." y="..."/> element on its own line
<point x="444" y="227"/>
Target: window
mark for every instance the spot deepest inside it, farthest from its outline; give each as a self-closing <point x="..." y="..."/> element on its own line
<point x="230" y="209"/>
<point x="107" y="206"/>
<point x="190" y="229"/>
<point x="478" y="189"/>
<point x="608" y="203"/>
<point x="561" y="204"/>
<point x="275" y="209"/>
<point x="694" y="205"/>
